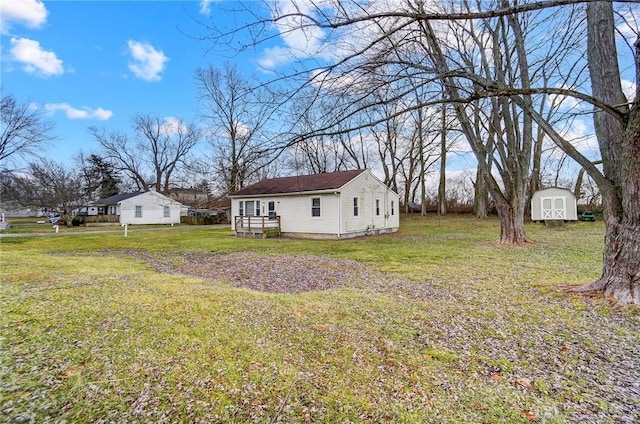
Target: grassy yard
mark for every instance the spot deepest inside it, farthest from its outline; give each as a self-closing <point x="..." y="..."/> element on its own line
<point x="440" y="325"/>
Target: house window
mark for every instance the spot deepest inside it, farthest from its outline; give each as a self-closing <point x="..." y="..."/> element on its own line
<point x="241" y="208"/>
<point x="393" y="209"/>
<point x="251" y="208"/>
<point x="315" y="207"/>
<point x="377" y="207"/>
<point x="138" y="211"/>
<point x="167" y="212"/>
<point x="356" y="210"/>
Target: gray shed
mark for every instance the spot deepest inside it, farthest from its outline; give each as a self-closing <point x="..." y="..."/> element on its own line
<point x="554" y="203"/>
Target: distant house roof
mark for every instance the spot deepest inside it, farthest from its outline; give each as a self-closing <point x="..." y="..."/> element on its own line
<point x="112" y="200"/>
<point x="300" y="183"/>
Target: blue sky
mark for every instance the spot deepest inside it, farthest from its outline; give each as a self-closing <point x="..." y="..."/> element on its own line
<point x="97" y="63"/>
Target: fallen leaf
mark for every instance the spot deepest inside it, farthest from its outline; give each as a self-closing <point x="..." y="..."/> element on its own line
<point x="524" y="382"/>
<point x="496" y="377"/>
<point x="68" y="373"/>
<point x="528" y="415"/>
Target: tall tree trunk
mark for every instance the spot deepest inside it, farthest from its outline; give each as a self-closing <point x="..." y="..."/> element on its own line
<point x="620" y="149"/>
<point x="442" y="192"/>
<point x="511" y="223"/>
<point x="423" y="184"/>
<point x="621" y="258"/>
<point x="480" y="195"/>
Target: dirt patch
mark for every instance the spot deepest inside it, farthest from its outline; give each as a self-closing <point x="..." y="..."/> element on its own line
<point x="272" y="274"/>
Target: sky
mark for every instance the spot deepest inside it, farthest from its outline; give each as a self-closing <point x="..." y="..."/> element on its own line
<point x="97" y="63"/>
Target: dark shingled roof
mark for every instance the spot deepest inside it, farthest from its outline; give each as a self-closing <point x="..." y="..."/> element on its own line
<point x="301" y="183"/>
<point x="116" y="198"/>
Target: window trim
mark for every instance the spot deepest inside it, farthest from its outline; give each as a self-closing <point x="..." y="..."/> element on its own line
<point x="356" y="206"/>
<point x="318" y="207"/>
<point x="378" y="206"/>
<point x="166" y="211"/>
<point x="137" y="211"/>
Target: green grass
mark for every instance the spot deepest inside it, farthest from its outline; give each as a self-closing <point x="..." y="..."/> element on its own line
<point x="88" y="334"/>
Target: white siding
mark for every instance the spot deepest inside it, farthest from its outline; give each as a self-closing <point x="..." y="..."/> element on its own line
<point x="368" y="188"/>
<point x="295" y="212"/>
<point x="152" y="204"/>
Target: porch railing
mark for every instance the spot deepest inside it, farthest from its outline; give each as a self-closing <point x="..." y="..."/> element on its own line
<point x="257" y="224"/>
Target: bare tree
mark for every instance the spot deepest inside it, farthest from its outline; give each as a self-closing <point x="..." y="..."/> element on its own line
<point x="237" y="115"/>
<point x="159" y="148"/>
<point x="46" y="184"/>
<point x="24" y="129"/>
<point x="313" y="155"/>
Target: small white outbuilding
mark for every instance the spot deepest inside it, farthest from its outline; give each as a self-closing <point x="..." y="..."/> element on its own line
<point x="554" y="204"/>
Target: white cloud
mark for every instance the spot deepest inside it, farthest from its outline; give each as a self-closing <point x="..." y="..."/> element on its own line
<point x="173" y="125"/>
<point x="34" y="58"/>
<point x="273" y="57"/>
<point x="31" y="13"/>
<point x="301" y="38"/>
<point x="74" y="113"/>
<point x="147" y="63"/>
<point x="205" y="8"/>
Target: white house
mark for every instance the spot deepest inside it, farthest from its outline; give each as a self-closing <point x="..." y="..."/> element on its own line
<point x="554" y="203"/>
<point x="331" y="205"/>
<point x="142" y="207"/>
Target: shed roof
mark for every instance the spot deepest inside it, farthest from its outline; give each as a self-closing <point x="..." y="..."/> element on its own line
<point x="554" y="190"/>
<point x="300" y="183"/>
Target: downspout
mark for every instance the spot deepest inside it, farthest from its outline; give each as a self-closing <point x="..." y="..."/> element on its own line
<point x="337" y="193"/>
<point x="373" y="208"/>
<point x="386" y="207"/>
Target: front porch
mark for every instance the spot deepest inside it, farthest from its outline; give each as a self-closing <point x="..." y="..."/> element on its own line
<point x="257" y="226"/>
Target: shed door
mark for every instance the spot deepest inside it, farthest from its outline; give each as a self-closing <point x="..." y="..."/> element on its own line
<point x="553" y="207"/>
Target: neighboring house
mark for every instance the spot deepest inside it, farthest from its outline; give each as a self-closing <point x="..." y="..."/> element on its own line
<point x="331" y="205"/>
<point x="11" y="209"/>
<point x="142" y="207"/>
<point x="90" y="210"/>
<point x="554" y="203"/>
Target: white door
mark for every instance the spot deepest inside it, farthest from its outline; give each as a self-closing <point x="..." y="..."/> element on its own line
<point x="553" y="207"/>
